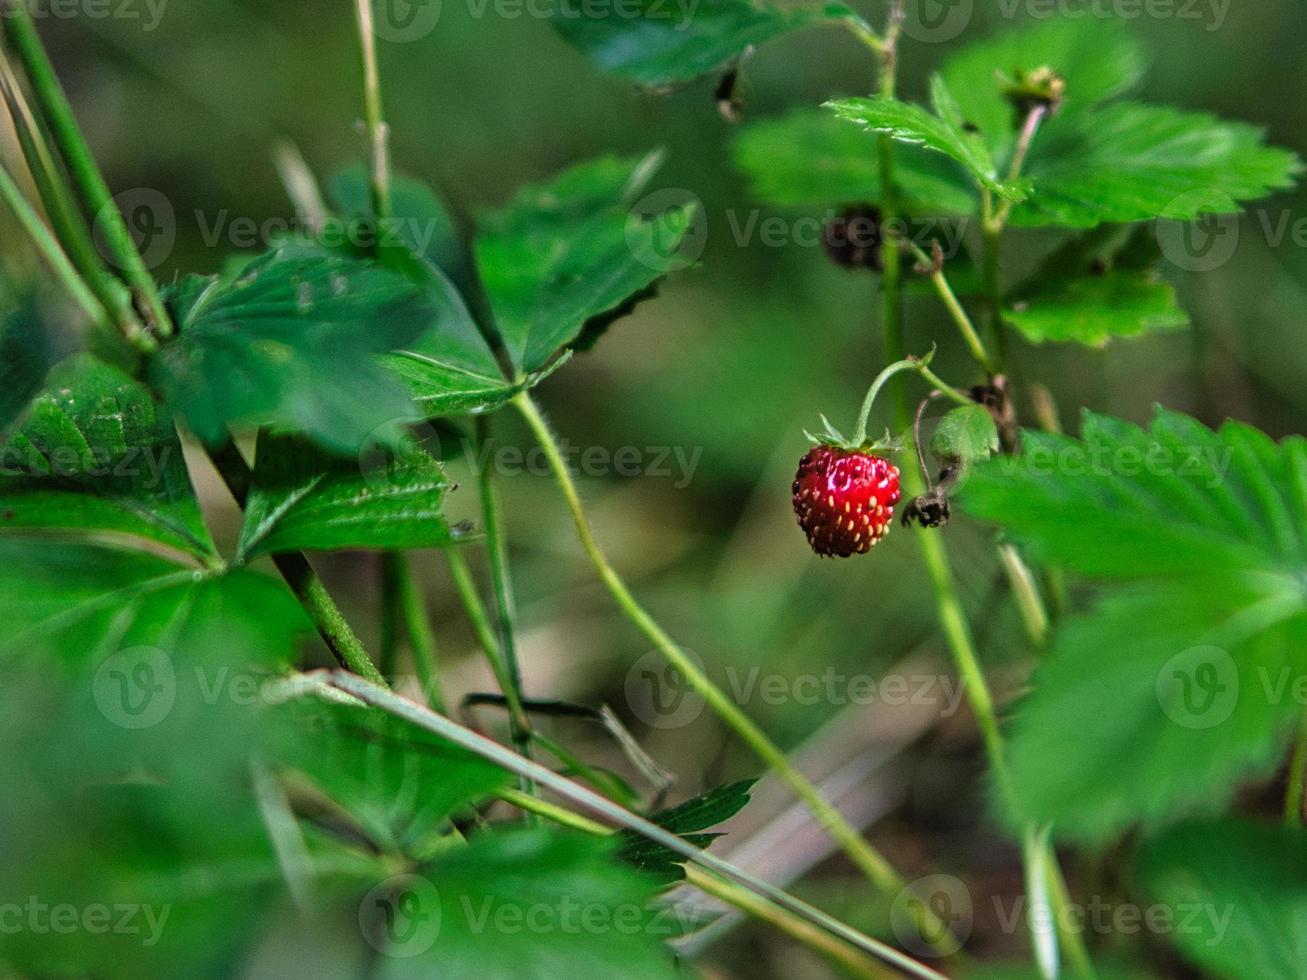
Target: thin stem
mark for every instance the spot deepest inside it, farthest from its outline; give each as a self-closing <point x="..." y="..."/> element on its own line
<point x="392" y="616"/>
<point x="334" y="629"/>
<point x="378" y="134"/>
<point x="86" y="176"/>
<point x="1043" y="924"/>
<point x="871" y="862"/>
<point x="502" y="581"/>
<point x="588" y="799"/>
<point x="1028" y="130"/>
<point x="1072" y="943"/>
<point x="1029" y="601"/>
<point x="734" y="895"/>
<point x="1293" y="797"/>
<point x="421" y="637"/>
<point x="49" y="249"/>
<point x="891" y="258"/>
<point x="955" y="308"/>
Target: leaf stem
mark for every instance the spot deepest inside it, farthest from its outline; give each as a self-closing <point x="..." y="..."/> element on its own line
<point x="588" y="799"/>
<point x="734" y="895"/>
<point x="870" y="861"/>
<point x="334" y="629"/>
<point x="82" y="168"/>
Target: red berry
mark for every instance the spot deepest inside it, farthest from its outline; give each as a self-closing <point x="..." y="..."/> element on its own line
<point x="844" y="499"/>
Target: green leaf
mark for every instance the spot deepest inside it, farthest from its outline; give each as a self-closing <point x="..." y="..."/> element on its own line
<point x="525" y="903"/>
<point x="1096" y="288"/>
<point x="910" y="123"/>
<point x="95" y="456"/>
<point x="291" y="343"/>
<point x="661" y="44"/>
<point x="1237" y="893"/>
<point x="449" y="368"/>
<point x="689" y="820"/>
<point x="812" y="159"/>
<point x="303" y="499"/>
<point x="1173" y="688"/>
<point x="965" y="435"/>
<point x="401" y="784"/>
<point x="1098" y="58"/>
<point x="80" y="603"/>
<point x="571" y="250"/>
<point x="1131" y="162"/>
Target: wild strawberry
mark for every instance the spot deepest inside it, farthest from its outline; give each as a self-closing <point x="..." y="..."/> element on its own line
<point x="844" y="499"/>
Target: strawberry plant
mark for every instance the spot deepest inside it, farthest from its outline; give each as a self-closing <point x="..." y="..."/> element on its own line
<point x="211" y="773"/>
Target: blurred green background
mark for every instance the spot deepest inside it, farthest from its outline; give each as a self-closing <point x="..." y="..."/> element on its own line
<point x="734" y="359"/>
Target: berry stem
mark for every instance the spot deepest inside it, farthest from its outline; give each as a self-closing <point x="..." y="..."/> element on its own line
<point x="919" y="364"/>
<point x="870" y="861"/>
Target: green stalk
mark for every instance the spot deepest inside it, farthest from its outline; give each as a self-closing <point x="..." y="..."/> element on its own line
<point x="1293" y="797"/>
<point x="86" y="177"/>
<point x="921" y="365"/>
<point x="970" y="336"/>
<point x="1026" y="592"/>
<point x="870" y="861"/>
<point x="741" y="898"/>
<point x="502" y="581"/>
<point x="49" y="249"/>
<point x="332" y="626"/>
<point x="587" y="799"/>
<point x="421" y="637"/>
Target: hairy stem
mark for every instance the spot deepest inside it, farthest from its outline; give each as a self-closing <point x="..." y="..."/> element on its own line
<point x="332" y="626"/>
<point x="86" y="177"/>
<point x="870" y="861"/>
